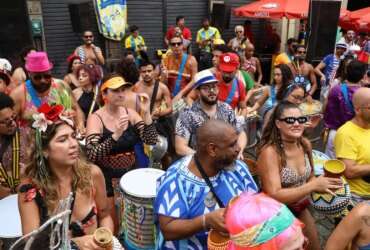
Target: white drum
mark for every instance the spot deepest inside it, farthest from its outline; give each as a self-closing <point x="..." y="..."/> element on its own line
<point x="319" y="159"/>
<point x="139" y="190"/>
<point x="10" y="220"/>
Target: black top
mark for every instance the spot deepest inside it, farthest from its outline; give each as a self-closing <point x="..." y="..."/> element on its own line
<point x="85" y="102"/>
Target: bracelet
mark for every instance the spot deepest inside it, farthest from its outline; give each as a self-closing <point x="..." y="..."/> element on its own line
<point x="204" y="222"/>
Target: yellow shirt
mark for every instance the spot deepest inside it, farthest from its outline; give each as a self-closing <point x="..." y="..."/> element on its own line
<point x="211" y="33"/>
<point x="134" y="43"/>
<point x="353" y="142"/>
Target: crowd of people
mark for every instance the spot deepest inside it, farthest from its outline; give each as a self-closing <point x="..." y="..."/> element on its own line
<point x="78" y="136"/>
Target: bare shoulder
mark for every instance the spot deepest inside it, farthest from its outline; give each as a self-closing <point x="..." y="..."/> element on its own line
<point x="17" y="93"/>
<point x="268" y="151"/>
<point x="163" y="86"/>
<point x="96" y="172"/>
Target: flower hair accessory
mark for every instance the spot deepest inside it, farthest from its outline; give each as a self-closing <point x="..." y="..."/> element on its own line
<point x="48" y="115"/>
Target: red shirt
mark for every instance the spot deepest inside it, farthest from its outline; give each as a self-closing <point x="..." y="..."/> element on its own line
<point x="186" y="33"/>
<point x="225" y="89"/>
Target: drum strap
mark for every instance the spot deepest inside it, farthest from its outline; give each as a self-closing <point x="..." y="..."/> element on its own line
<point x="206" y="178"/>
<point x="154" y="96"/>
<point x="176" y="89"/>
<point x="13" y="181"/>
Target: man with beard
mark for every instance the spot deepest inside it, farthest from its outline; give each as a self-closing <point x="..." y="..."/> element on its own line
<point x="303" y="72"/>
<point x="351" y="145"/>
<point x="160" y="104"/>
<point x="194" y="192"/>
<point x="231" y="88"/>
<point x="88" y="52"/>
<point x="206" y="108"/>
<point x="13" y="148"/>
<point x="43" y="88"/>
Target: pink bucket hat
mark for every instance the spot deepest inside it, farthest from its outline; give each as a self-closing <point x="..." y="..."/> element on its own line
<point x="38" y="62"/>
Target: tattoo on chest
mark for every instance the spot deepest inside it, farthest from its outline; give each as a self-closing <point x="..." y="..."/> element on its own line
<point x="366" y="219"/>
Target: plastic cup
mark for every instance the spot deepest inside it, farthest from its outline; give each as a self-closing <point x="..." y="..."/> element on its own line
<point x="334" y="168"/>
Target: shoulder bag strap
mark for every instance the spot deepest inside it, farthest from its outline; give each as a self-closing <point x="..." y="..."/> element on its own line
<point x="344" y="89"/>
<point x="205" y="177"/>
<point x="230" y="97"/>
<point x="154" y="96"/>
<point x="176" y="89"/>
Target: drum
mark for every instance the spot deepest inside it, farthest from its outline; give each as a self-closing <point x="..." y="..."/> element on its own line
<point x="319" y="159"/>
<point x="159" y="149"/>
<point x="251" y="130"/>
<point x="10" y="221"/>
<point x="139" y="190"/>
<point x="331" y="205"/>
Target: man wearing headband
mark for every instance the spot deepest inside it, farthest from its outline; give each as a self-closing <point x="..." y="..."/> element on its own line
<point x="193" y="193"/>
<point x="207" y="107"/>
<point x="351" y="145"/>
<point x="303" y="72"/>
<point x="13" y="148"/>
<point x="43" y="88"/>
<point x="327" y="69"/>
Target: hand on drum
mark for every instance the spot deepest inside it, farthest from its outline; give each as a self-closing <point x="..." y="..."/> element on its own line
<point x="87" y="242"/>
<point x="309" y="99"/>
<point x="122" y="125"/>
<point x="324" y="184"/>
<point x="216" y="220"/>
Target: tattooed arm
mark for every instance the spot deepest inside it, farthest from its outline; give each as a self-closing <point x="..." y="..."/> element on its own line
<point x="354" y="228"/>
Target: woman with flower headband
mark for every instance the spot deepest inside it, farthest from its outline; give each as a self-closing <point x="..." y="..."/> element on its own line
<point x="113" y="131"/>
<point x="72" y="77"/>
<point x="56" y="171"/>
<point x="285" y="165"/>
<point x="87" y="92"/>
<point x="258" y="222"/>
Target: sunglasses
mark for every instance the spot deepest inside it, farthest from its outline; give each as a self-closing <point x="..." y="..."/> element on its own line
<point x="209" y="87"/>
<point x="176" y="44"/>
<point x="292" y="120"/>
<point x="88" y="36"/>
<point x="38" y="77"/>
<point x="301" y="52"/>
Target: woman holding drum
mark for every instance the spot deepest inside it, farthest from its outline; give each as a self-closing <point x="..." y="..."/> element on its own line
<point x="285" y="166"/>
<point x="57" y="170"/>
<point x="113" y="131"/>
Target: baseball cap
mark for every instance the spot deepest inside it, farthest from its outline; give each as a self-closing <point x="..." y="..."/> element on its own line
<point x="229" y="62"/>
<point x="114" y="83"/>
<point x="204" y="77"/>
<point x="341" y="45"/>
<point x="5" y="65"/>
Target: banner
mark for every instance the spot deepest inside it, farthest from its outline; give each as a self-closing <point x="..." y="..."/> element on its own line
<point x="112" y="18"/>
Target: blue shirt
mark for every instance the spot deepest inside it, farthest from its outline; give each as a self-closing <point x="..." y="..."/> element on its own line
<point x="332" y="64"/>
<point x="183" y="195"/>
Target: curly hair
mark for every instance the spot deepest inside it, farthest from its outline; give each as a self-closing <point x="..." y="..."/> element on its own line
<point x="93" y="72"/>
<point x="82" y="179"/>
<point x="271" y="134"/>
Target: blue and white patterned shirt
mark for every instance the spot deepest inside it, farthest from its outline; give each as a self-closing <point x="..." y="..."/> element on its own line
<point x="183" y="195"/>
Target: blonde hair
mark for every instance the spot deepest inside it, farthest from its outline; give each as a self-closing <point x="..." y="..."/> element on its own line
<point x="238" y="27"/>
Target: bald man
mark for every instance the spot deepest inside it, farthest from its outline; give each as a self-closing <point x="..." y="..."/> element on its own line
<point x="352" y="146"/>
<point x="186" y="206"/>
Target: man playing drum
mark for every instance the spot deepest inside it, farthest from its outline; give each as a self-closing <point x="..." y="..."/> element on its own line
<point x="13" y="147"/>
<point x="351" y="145"/>
<point x="194" y="191"/>
<point x="206" y="108"/>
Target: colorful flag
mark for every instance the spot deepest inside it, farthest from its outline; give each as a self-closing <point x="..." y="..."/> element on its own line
<point x="112" y="18"/>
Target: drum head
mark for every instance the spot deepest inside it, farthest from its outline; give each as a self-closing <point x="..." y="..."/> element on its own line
<point x="141" y="182"/>
<point x="311" y="108"/>
<point x="10" y="220"/>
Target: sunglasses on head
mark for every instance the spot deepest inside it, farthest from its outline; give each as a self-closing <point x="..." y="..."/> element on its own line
<point x="292" y="120"/>
<point x="176" y="44"/>
<point x="38" y="77"/>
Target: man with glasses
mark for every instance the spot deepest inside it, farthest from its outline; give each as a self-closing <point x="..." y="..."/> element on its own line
<point x="177" y="68"/>
<point x="43" y="88"/>
<point x="303" y="72"/>
<point x="288" y="56"/>
<point x="88" y="52"/>
<point x="352" y="147"/>
<point x="14" y="144"/>
<point x="207" y="107"/>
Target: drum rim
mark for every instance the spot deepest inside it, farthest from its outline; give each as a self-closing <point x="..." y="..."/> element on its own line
<point x="134" y="171"/>
<point x="12" y="196"/>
